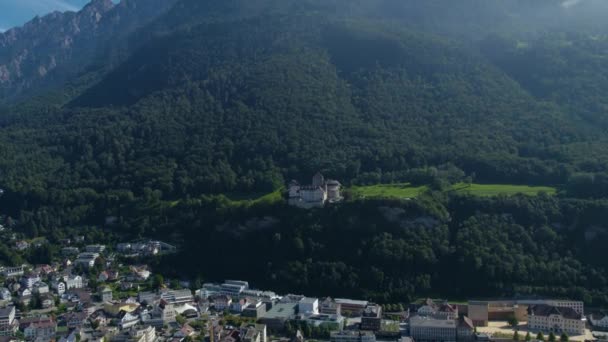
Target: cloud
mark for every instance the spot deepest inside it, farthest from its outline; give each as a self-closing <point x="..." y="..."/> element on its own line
<point x="570" y="3"/>
<point x="45" y="6"/>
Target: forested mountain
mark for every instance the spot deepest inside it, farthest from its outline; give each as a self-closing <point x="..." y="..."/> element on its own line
<point x="157" y="107"/>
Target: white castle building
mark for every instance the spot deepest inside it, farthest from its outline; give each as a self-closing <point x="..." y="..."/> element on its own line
<point x="314" y="195"/>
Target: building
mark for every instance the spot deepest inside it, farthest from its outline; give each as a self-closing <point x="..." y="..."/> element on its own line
<point x="177" y="297"/>
<point x="221" y="302"/>
<point x="30" y="279"/>
<point x="426" y="328"/>
<point x="253" y="332"/>
<point x="147" y="297"/>
<point x="256" y="309"/>
<point x="86" y="259"/>
<point x="69" y="251"/>
<point x="147" y="334"/>
<point x="73" y="282"/>
<point x="42" y="329"/>
<point x="308" y="306"/>
<point x="352" y="307"/>
<point x="480" y="312"/>
<point x="352" y="336"/>
<point x="95" y="249"/>
<point x="555" y="319"/>
<point x="437" y="310"/>
<point x="8" y="325"/>
<point x="316" y="194"/>
<point x="465" y="330"/>
<point x="5" y="294"/>
<point x="40" y="288"/>
<point x="599" y="321"/>
<point x="276" y="317"/>
<point x="13" y="272"/>
<point x="329" y="307"/>
<point x="58" y="286"/>
<point x="105" y="294"/>
<point x="371" y="318"/>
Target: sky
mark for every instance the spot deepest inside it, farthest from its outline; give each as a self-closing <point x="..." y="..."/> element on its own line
<point x="18" y="12"/>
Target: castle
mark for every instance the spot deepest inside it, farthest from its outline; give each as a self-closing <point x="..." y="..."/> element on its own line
<point x="315" y="195"/>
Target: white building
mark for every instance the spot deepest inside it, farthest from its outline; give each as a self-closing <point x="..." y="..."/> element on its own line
<point x="177" y="297"/>
<point x="430" y="329"/>
<point x="599" y="322"/>
<point x="555" y="319"/>
<point x="7" y="321"/>
<point x="42" y="330"/>
<point x="308" y="306"/>
<point x="40" y="288"/>
<point x="58" y="286"/>
<point x="5" y="294"/>
<point x="73" y="282"/>
<point x="147" y="334"/>
<point x="11" y="272"/>
<point x="29" y="280"/>
<point x="86" y="259"/>
<point x="438" y="310"/>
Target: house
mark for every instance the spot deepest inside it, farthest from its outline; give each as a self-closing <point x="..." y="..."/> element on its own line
<point x="253" y="332"/>
<point x="30" y="279"/>
<point x="22" y="245"/>
<point x="316" y="194"/>
<point x="147" y="334"/>
<point x="75" y="319"/>
<point x="371" y="318"/>
<point x="599" y="321"/>
<point x="98" y="249"/>
<point x="8" y="324"/>
<point x="5" y="294"/>
<point x="25" y="292"/>
<point x="103" y="277"/>
<point x="86" y="259"/>
<point x="73" y="282"/>
<point x="329" y="306"/>
<point x="58" y="286"/>
<point x="441" y="310"/>
<point x="47" y="301"/>
<point x="428" y="328"/>
<point x="44" y="269"/>
<point x="105" y="294"/>
<point x="42" y="329"/>
<point x="127" y="320"/>
<point x="352" y="336"/>
<point x="40" y="288"/>
<point x="555" y="319"/>
<point x="100" y="317"/>
<point x="221" y="302"/>
<point x="308" y="306"/>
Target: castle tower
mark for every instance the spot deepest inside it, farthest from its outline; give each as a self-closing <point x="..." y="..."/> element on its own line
<point x="318" y="180"/>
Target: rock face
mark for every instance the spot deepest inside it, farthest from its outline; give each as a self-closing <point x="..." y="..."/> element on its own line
<point x="48" y="50"/>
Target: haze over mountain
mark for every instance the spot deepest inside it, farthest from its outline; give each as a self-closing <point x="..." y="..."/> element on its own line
<point x="154" y="111"/>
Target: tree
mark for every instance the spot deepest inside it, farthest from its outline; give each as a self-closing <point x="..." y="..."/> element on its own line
<point x="513" y="321"/>
<point x="528" y="337"/>
<point x="552" y="337"/>
<point x="540" y="336"/>
<point x="158" y="281"/>
<point x="516" y="336"/>
<point x="564" y="338"/>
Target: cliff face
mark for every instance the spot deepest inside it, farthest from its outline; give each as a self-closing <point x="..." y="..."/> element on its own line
<point x="49" y="50"/>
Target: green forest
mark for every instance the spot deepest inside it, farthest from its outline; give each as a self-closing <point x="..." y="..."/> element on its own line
<point x="172" y="128"/>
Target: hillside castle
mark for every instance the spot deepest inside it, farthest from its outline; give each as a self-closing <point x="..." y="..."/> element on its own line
<point x="315" y="195"/>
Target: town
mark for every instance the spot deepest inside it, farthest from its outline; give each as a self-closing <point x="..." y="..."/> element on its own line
<point x="91" y="297"/>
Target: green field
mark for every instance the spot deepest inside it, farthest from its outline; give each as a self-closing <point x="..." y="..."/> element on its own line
<point x="406" y="190"/>
<point x="402" y="190"/>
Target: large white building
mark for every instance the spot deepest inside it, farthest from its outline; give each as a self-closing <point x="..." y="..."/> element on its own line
<point x="7" y="321"/>
<point x="308" y="306"/>
<point x="555" y="319"/>
<point x="431" y="329"/>
<point x="316" y="194"/>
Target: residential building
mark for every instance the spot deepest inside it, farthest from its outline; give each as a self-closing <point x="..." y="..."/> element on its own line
<point x="30" y="279"/>
<point x="352" y="336"/>
<point x="147" y="297"/>
<point x="95" y="249"/>
<point x="438" y="310"/>
<point x="58" y="286"/>
<point x="353" y="307"/>
<point x="8" y="324"/>
<point x="238" y="306"/>
<point x="40" y="288"/>
<point x="427" y="328"/>
<point x="465" y="330"/>
<point x="5" y="294"/>
<point x="371" y="318"/>
<point x="105" y="294"/>
<point x="147" y="334"/>
<point x="86" y="259"/>
<point x="13" y="272"/>
<point x="308" y="306"/>
<point x="75" y="319"/>
<point x="73" y="282"/>
<point x="329" y="307"/>
<point x="253" y="333"/>
<point x="127" y="320"/>
<point x="69" y="251"/>
<point x="22" y="245"/>
<point x="555" y="319"/>
<point x="599" y="321"/>
<point x="41" y="329"/>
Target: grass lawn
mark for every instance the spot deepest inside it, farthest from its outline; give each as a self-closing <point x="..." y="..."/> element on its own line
<point x="406" y="190"/>
<point x="257" y="198"/>
<point x="402" y="190"/>
<point x="501" y="189"/>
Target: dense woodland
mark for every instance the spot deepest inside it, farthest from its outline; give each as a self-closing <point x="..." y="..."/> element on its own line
<point x="238" y="97"/>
